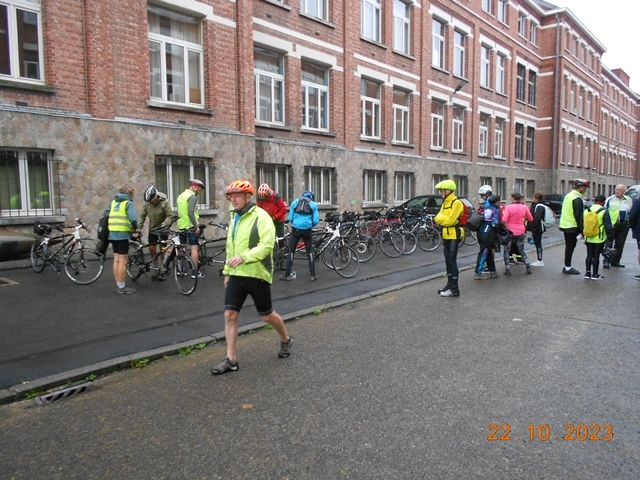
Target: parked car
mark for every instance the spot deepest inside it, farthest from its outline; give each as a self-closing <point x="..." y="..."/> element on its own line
<point x="633" y="191"/>
<point x="432" y="203"/>
<point x="554" y="202"/>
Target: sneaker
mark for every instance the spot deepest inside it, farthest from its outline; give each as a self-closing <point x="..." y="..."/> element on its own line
<point x="637" y="277"/>
<point x="570" y="271"/>
<point x="450" y="293"/>
<point x="507" y="272"/>
<point x="313" y="278"/>
<point x="440" y="290"/>
<point x="538" y="263"/>
<point x="619" y="265"/>
<point x="125" y="290"/>
<point x="284" y="277"/>
<point x="597" y="276"/>
<point x="200" y="275"/>
<point x="587" y="276"/>
<point x="480" y="276"/>
<point x="285" y="348"/>
<point x="493" y="275"/>
<point x="225" y="366"/>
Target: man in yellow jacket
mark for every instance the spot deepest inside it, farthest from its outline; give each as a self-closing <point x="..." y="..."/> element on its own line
<point x="248" y="271"/>
<point x="452" y="233"/>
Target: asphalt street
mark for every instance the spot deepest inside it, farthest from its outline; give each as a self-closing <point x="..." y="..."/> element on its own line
<point x="52" y="330"/>
<point x="528" y="376"/>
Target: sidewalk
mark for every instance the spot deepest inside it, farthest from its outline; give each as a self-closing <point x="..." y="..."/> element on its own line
<point x="401" y="386"/>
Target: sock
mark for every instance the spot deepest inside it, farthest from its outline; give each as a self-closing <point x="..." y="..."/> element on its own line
<point x="120" y="284"/>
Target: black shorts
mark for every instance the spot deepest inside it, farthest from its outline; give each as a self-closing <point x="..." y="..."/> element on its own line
<point x="238" y="289"/>
<point x="189" y="237"/>
<point x="120" y="247"/>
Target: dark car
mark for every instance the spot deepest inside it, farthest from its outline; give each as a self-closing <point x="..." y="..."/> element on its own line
<point x="554" y="202"/>
<point x="432" y="203"/>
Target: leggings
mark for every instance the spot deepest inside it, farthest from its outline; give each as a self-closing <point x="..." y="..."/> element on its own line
<point x="570" y="242"/>
<point x="517" y="243"/>
<point x="296" y="235"/>
<point x="451" y="262"/>
<point x="593" y="257"/>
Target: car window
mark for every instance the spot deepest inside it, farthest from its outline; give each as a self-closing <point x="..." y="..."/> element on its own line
<point x="416" y="202"/>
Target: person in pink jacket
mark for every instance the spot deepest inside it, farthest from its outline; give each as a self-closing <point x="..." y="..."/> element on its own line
<point x="514" y="217"/>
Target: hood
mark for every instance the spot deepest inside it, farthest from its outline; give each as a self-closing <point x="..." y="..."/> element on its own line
<point x="121" y="197"/>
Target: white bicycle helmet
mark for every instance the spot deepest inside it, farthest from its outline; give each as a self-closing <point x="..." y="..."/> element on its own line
<point x="150" y="193"/>
<point x="485" y="190"/>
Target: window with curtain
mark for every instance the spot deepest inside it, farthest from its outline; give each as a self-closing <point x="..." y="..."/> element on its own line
<point x="26" y="182"/>
<point x="173" y="174"/>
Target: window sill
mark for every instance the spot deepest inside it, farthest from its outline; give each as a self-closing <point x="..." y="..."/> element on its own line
<point x="403" y="144"/>
<point x="372" y="140"/>
<point x="441" y="70"/>
<point x="322" y="21"/>
<point x="502" y="94"/>
<point x="373" y="42"/>
<point x="323" y="133"/>
<point x="279" y="4"/>
<point x="182" y="108"/>
<point x="439" y="149"/>
<point x="18" y="85"/>
<point x="521" y="102"/>
<point x="501" y="159"/>
<point x="274" y="126"/>
<point x="486" y="89"/>
<point x="30" y="220"/>
<point x="405" y="55"/>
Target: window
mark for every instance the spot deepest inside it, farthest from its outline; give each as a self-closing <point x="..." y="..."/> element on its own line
<point x="572" y="97"/>
<point x="604" y="124"/>
<point x="437" y="124"/>
<point x="501" y="187"/>
<point x="519" y="185"/>
<point x="519" y="138"/>
<point x="401" y="108"/>
<point x="276" y="176"/>
<point x="580" y="105"/>
<point x="458" y="129"/>
<point x="520" y="82"/>
<point x="522" y="24"/>
<point x="533" y="33"/>
<point x="503" y="6"/>
<point x="173" y="174"/>
<point x="175" y="57"/>
<point x="439" y="45"/>
<point x="315" y="96"/>
<point x="483" y="145"/>
<point x="588" y="112"/>
<point x="315" y="8"/>
<point x="370" y="98"/>
<point x="403" y="186"/>
<point x="436" y="178"/>
<point x="401" y="27"/>
<point x="487" y="6"/>
<point x="269" y="72"/>
<point x="579" y="151"/>
<point x="532" y="87"/>
<point x="374" y="183"/>
<point x="501" y="62"/>
<point x="322" y="182"/>
<point x="21" y="48"/>
<point x="531" y="188"/>
<point x="498" y="143"/>
<point x="371" y="14"/>
<point x="26" y="183"/>
<point x="530" y="146"/>
<point x="462" y="182"/>
<point x="459" y="59"/>
<point x="486" y="181"/>
<point x="570" y="142"/>
<point x="485" y="66"/>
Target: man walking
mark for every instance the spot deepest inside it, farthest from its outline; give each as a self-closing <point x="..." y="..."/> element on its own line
<point x="452" y="233"/>
<point x="188" y="217"/>
<point x="571" y="222"/>
<point x="619" y="207"/>
<point x="248" y="271"/>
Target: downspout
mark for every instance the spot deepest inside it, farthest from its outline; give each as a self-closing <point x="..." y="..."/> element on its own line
<point x="556" y="116"/>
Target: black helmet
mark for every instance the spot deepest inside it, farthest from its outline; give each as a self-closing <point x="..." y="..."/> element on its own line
<point x="150" y="193"/>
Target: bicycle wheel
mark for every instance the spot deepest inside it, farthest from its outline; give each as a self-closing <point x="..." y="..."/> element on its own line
<point x="185" y="274"/>
<point x="135" y="262"/>
<point x="428" y="238"/>
<point x="410" y="242"/>
<point x="470" y="238"/>
<point x="364" y="245"/>
<point x="391" y="243"/>
<point x="38" y="257"/>
<point x="84" y="265"/>
<point x="344" y="260"/>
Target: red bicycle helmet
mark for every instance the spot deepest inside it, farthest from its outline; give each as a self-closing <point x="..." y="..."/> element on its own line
<point x="240" y="186"/>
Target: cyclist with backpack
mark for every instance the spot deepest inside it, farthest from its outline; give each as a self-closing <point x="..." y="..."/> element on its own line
<point x="303" y="216"/>
<point x="490" y="210"/>
<point x="514" y="217"/>
<point x="597" y="225"/>
<point x="452" y="233"/>
<point x="536" y="227"/>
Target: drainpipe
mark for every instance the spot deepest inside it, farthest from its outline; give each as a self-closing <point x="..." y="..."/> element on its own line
<point x="556" y="116"/>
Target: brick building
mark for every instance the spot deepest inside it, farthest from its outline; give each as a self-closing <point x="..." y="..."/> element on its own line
<point x="365" y="102"/>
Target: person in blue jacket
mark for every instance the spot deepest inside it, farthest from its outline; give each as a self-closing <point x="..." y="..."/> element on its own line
<point x="303" y="216"/>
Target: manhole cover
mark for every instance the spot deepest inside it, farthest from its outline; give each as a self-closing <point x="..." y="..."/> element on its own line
<point x="5" y="282"/>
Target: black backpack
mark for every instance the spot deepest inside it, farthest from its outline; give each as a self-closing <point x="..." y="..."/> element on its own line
<point x="303" y="207"/>
<point x="103" y="233"/>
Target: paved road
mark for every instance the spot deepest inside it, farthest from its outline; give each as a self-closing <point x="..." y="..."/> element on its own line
<point x="400" y="386"/>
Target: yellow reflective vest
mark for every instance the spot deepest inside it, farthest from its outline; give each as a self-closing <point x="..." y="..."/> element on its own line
<point x="118" y="217"/>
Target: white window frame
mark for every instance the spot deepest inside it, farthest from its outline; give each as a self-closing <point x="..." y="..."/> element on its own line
<point x="485" y="66"/>
<point x="437" y="125"/>
<point x="187" y="47"/>
<point x="373" y="8"/>
<point x="274" y="79"/>
<point x="171" y="193"/>
<point x="379" y="186"/>
<point x="570" y="139"/>
<point x="403" y="114"/>
<point x="402" y="27"/>
<point x="518" y="142"/>
<point x="483" y="138"/>
<point x="533" y="32"/>
<point x="277" y="175"/>
<point x="320" y="11"/>
<point x="501" y="63"/>
<point x="325" y="176"/>
<point x="322" y="106"/>
<point x="522" y="24"/>
<point x="373" y="105"/>
<point x="530" y="144"/>
<point x="457" y="143"/>
<point x="503" y="12"/>
<point x="498" y="136"/>
<point x="31" y="6"/>
<point x="439" y="43"/>
<point x="532" y="87"/>
<point x="26" y="209"/>
<point x="579" y="151"/>
<point x="487" y="6"/>
<point x="403" y="186"/>
<point x="459" y="53"/>
<point x="521" y="83"/>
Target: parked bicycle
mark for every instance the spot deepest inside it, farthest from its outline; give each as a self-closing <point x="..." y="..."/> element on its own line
<point x="76" y="254"/>
<point x="212" y="251"/>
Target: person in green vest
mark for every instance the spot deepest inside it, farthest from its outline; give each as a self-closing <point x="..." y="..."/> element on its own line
<point x="619" y="207"/>
<point x="188" y="217"/>
<point x="595" y="243"/>
<point x="157" y="209"/>
<point x="571" y="222"/>
<point x="123" y="219"/>
<point x="248" y="271"/>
